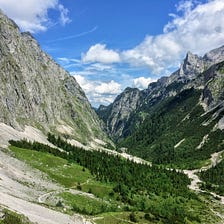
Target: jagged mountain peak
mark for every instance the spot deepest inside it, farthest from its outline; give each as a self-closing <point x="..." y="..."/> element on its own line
<point x="191" y="66"/>
<point x="194" y="73"/>
<point x="190" y="57"/>
<point x="215" y="56"/>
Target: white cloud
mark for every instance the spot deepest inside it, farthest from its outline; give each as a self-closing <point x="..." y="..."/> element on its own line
<point x="111" y="87"/>
<point x="32" y="15"/>
<point x="99" y="92"/>
<point x="199" y="29"/>
<point x="99" y="53"/>
<point x="186" y="6"/>
<point x="64" y="19"/>
<point x="142" y="82"/>
<point x="195" y="27"/>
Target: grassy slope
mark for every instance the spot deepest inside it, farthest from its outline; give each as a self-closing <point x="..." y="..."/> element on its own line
<point x="62" y="171"/>
<point x="173" y="120"/>
<point x="70" y="174"/>
<point x="11" y="217"/>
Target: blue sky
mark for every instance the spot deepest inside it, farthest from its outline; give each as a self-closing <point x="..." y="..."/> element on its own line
<point x="109" y="45"/>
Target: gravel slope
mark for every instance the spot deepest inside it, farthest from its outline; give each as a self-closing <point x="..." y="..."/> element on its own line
<point x="22" y="185"/>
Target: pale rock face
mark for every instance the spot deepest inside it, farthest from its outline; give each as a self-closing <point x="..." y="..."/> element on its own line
<point x="36" y="91"/>
<point x="215" y="56"/>
<point x="213" y="93"/>
<point x="221" y="123"/>
<point x="204" y="73"/>
<point x="192" y="66"/>
<point x="121" y="109"/>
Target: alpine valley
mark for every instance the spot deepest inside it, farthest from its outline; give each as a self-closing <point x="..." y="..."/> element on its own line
<point x="152" y="156"/>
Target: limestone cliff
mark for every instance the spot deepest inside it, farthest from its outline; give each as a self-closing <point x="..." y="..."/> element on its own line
<point x="36" y="91"/>
<point x="196" y="72"/>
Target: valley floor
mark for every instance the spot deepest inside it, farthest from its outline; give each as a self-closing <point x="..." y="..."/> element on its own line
<point x="25" y="190"/>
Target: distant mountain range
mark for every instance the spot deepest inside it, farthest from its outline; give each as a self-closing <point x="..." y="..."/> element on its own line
<point x="186" y="108"/>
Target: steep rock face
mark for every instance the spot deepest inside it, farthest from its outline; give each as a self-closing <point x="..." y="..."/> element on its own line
<point x="117" y="114"/>
<point x="192" y="66"/>
<point x="182" y="129"/>
<point x="195" y="72"/>
<point x="213" y="93"/>
<point x="36" y="91"/>
<point x="214" y="56"/>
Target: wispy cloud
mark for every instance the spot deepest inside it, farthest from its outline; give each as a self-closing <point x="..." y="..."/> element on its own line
<point x="74" y="36"/>
<point x="64" y="19"/>
<point x="196" y="26"/>
<point x="32" y="15"/>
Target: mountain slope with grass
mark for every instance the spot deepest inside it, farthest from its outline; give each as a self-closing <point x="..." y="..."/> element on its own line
<point x="120" y="125"/>
<point x="36" y="91"/>
<point x="178" y="120"/>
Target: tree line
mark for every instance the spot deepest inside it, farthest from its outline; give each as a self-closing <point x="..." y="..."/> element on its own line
<point x="151" y="189"/>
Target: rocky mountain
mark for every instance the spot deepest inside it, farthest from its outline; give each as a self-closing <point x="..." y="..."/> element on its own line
<point x="177" y="120"/>
<point x="197" y="72"/>
<point x="36" y="91"/>
<point x="118" y="114"/>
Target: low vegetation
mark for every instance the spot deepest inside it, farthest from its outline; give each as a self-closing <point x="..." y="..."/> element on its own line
<point x="142" y="192"/>
<point x="62" y="171"/>
<point x="213" y="179"/>
<point x="177" y="119"/>
<point x="10" y="217"/>
<point x="87" y="205"/>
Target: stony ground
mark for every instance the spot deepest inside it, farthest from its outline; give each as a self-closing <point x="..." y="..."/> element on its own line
<point x="25" y="189"/>
<point x="21" y="186"/>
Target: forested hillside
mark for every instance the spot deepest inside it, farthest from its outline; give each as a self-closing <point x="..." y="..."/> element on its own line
<point x="177" y="132"/>
<point x="214" y="179"/>
<point x="178" y="120"/>
<point x="161" y="195"/>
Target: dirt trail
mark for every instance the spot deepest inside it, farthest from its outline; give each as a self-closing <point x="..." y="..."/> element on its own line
<point x="195" y="180"/>
<point x="44" y="197"/>
<point x="22" y="185"/>
<point x="37" y="213"/>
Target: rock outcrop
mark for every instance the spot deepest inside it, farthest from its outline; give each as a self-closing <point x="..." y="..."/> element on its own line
<point x="117" y="114"/>
<point x="205" y="73"/>
<point x="36" y="91"/>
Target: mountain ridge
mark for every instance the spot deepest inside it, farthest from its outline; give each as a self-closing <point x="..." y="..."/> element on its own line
<point x="36" y="91"/>
<point x="187" y="76"/>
